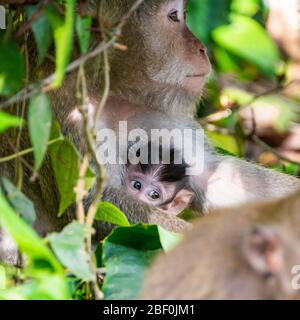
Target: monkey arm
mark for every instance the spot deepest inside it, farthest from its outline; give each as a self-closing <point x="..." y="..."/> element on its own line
<point x="233" y="181"/>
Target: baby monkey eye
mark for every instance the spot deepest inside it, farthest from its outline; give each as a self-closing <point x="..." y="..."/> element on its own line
<point x="136" y="185"/>
<point x="173" y="16"/>
<point x="154" y="195"/>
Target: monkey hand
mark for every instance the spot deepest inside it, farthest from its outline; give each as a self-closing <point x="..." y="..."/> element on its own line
<point x="168" y="221"/>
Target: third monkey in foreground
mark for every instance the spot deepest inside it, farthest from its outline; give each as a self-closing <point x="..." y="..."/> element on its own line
<point x="249" y="252"/>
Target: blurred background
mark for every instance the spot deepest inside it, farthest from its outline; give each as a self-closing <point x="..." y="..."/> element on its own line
<point x="251" y="107"/>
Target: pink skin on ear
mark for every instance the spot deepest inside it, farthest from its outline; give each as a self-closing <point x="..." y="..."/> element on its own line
<point x="263" y="250"/>
<point x="180" y="202"/>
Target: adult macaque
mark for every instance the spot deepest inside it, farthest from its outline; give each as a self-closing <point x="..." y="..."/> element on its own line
<point x="163" y="71"/>
<point x="248" y="252"/>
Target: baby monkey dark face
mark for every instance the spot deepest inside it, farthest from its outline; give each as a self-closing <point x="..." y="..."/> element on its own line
<point x="163" y="186"/>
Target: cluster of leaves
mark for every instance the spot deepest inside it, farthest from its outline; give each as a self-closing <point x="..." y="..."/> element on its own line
<point x="58" y="267"/>
<point x="243" y="55"/>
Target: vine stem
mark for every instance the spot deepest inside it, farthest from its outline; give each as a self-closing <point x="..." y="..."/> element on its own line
<point x="26" y="151"/>
<point x="45" y="84"/>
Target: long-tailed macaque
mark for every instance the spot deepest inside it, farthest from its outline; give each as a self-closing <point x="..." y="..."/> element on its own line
<point x="164" y="185"/>
<point x="163" y="72"/>
<point x="249" y="252"/>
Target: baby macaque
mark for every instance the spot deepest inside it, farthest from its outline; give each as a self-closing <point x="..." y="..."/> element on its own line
<point x="248" y="252"/>
<point x="164" y="186"/>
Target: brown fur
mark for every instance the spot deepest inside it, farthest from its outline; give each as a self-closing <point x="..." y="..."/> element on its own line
<point x="242" y="253"/>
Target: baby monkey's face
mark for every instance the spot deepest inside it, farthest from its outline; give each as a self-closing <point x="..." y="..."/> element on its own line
<point x="148" y="188"/>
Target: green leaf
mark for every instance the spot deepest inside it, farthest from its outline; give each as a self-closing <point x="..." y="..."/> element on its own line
<point x="7" y="121"/>
<point x="12" y="69"/>
<point x="236" y="95"/>
<point x="42" y="32"/>
<point x="109" y="213"/>
<point x="65" y="160"/>
<point x="39" y="118"/>
<point x="27" y="239"/>
<point x="205" y="15"/>
<point x="69" y="248"/>
<point x="246" y="7"/>
<point x="128" y="253"/>
<point x="248" y="40"/>
<point x="45" y="286"/>
<point x="223" y="141"/>
<point x="82" y="28"/>
<point x="140" y="237"/>
<point x="63" y="38"/>
<point x="168" y="239"/>
<point x="19" y="201"/>
<point x="55" y="131"/>
<point x="291" y="168"/>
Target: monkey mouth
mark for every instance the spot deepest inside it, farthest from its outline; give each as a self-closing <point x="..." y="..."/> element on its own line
<point x="200" y="75"/>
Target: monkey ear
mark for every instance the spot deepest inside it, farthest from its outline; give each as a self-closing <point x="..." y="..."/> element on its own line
<point x="180" y="202"/>
<point x="263" y="250"/>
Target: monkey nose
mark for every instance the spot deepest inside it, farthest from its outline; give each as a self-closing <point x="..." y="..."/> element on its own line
<point x="202" y="49"/>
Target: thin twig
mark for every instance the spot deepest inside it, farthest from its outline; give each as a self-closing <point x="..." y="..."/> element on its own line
<point x="27" y="151"/>
<point x="45" y="83"/>
<point x="90" y="154"/>
<point x="80" y="190"/>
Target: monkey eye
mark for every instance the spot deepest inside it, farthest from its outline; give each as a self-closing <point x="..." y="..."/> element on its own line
<point x="173" y="16"/>
<point x="154" y="195"/>
<point x="136" y="185"/>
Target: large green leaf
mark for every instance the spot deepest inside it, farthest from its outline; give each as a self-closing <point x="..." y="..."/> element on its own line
<point x="65" y="160"/>
<point x="69" y="248"/>
<point x="7" y="121"/>
<point x="12" y="69"/>
<point x="42" y="32"/>
<point x="39" y="118"/>
<point x="109" y="213"/>
<point x="19" y="201"/>
<point x="63" y="30"/>
<point x="248" y="40"/>
<point x="125" y="271"/>
<point x="127" y="254"/>
<point x="205" y="15"/>
<point x="27" y="239"/>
